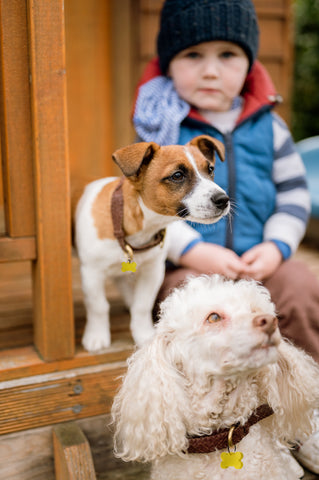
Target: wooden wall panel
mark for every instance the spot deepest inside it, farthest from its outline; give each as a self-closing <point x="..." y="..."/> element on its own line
<point x="124" y="33"/>
<point x="270" y="5"/>
<point x="88" y="64"/>
<point x="148" y="33"/>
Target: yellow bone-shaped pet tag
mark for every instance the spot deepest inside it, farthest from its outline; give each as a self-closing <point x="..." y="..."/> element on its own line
<point x="129" y="266"/>
<point x="231" y="459"/>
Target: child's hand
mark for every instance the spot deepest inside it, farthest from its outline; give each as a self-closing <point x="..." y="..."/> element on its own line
<point x="262" y="261"/>
<point x="210" y="258"/>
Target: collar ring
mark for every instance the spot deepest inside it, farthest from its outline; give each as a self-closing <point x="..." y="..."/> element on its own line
<point x="230" y="443"/>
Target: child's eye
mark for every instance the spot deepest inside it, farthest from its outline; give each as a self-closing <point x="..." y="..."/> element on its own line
<point x="192" y="54"/>
<point x="227" y="54"/>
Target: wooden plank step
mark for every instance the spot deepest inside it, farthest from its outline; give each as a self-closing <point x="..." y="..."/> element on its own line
<point x="63" y="396"/>
<point x="72" y="455"/>
<point x="25" y="362"/>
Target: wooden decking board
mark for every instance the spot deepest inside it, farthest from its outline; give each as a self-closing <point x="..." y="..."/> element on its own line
<point x="24" y="362"/>
<point x="54" y="398"/>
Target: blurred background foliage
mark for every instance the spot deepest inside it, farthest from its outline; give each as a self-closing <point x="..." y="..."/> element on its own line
<point x="305" y="100"/>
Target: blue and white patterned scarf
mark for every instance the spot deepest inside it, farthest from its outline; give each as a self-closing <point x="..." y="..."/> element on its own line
<point x="159" y="112"/>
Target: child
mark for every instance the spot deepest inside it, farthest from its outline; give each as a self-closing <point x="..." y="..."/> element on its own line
<point x="206" y="80"/>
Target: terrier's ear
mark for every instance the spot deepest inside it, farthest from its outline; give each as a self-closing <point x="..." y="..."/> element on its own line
<point x="208" y="146"/>
<point x="131" y="158"/>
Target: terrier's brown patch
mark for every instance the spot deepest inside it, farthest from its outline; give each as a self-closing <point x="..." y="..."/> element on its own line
<point x="101" y="210"/>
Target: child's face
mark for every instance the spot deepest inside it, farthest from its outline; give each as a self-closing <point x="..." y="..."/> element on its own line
<point x="210" y="75"/>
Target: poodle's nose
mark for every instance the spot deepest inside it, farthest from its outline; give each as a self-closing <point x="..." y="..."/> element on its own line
<point x="266" y="323"/>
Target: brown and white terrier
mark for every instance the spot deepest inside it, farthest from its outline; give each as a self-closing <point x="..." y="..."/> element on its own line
<point x="116" y="219"/>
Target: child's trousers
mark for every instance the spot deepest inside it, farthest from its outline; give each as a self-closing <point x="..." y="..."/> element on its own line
<point x="295" y="293"/>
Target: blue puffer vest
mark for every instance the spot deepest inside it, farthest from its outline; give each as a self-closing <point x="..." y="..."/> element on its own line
<point x="246" y="175"/>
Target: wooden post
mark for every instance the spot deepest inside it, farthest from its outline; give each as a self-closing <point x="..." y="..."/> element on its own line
<point x="72" y="454"/>
<point x="53" y="309"/>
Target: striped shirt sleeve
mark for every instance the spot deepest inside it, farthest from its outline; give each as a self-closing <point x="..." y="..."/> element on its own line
<point x="289" y="221"/>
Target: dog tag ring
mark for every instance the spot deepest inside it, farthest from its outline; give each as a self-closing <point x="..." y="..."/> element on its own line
<point x="231" y="459"/>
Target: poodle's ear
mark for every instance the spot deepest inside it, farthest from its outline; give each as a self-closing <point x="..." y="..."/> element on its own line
<point x="293" y="392"/>
<point x="148" y="410"/>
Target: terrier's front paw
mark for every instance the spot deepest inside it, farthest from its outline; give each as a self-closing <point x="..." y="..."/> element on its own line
<point x="142" y="336"/>
<point x="94" y="340"/>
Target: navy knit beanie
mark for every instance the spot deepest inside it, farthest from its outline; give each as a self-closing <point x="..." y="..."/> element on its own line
<point x="185" y="23"/>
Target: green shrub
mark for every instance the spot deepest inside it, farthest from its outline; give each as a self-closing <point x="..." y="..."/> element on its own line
<point x="305" y="100"/>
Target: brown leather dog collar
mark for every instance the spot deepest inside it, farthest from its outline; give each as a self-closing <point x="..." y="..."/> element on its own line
<point x="117" y="211"/>
<point x="219" y="439"/>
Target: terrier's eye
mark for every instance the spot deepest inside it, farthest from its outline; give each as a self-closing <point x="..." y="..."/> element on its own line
<point x="178" y="176"/>
<point x="211" y="170"/>
<point x="213" y="318"/>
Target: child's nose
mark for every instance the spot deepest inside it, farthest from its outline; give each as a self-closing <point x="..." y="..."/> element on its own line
<point x="210" y="69"/>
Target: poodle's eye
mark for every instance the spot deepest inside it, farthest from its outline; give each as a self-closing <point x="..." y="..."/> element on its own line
<point x="213" y="318"/>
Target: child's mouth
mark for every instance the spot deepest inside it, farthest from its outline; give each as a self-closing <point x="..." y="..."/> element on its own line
<point x="209" y="91"/>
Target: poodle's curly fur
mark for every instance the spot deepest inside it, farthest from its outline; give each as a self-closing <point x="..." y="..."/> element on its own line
<point x="209" y="365"/>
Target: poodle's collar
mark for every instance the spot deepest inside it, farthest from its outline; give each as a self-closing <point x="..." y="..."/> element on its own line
<point x="218" y="440"/>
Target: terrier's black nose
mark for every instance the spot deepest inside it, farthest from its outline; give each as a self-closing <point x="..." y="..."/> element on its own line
<point x="220" y="200"/>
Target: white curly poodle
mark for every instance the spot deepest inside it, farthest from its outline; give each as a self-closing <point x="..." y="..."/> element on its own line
<point x="216" y="357"/>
